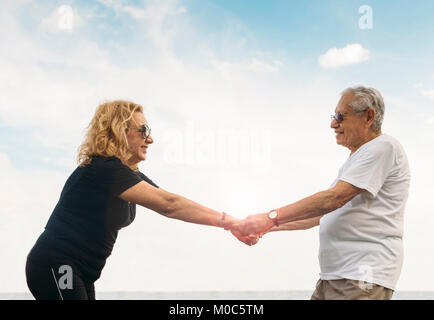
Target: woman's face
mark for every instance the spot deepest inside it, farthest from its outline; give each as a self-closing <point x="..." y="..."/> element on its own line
<point x="137" y="144"/>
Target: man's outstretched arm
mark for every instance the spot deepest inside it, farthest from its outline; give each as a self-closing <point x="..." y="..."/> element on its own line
<point x="313" y="206"/>
<point x="298" y="225"/>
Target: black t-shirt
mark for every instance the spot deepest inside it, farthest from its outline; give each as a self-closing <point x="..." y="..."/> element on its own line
<point x="84" y="225"/>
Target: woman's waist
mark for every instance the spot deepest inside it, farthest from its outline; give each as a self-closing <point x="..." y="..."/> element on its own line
<point x="53" y="248"/>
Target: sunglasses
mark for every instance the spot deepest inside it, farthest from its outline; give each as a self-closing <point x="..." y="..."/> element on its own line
<point x="145" y="130"/>
<point x="339" y="117"/>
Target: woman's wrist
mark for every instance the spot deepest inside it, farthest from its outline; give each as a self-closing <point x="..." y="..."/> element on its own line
<point x="226" y="221"/>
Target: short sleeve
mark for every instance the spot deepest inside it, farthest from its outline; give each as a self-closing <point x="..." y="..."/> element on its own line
<point x="370" y="167"/>
<point x="146" y="179"/>
<point x="116" y="176"/>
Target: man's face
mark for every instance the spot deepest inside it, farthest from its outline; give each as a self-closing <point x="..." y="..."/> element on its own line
<point x="352" y="131"/>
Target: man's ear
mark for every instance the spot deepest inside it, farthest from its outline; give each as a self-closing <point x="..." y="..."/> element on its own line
<point x="370" y="117"/>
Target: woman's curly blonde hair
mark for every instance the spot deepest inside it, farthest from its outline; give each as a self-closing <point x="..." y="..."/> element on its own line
<point x="106" y="134"/>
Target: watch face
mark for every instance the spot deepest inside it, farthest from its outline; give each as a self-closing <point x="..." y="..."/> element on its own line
<point x="272" y="215"/>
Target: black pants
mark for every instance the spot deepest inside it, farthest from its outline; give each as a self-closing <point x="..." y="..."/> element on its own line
<point x="43" y="282"/>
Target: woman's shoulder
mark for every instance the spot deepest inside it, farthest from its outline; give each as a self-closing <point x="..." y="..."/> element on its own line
<point x="107" y="170"/>
<point x="105" y="161"/>
<point x="102" y="164"/>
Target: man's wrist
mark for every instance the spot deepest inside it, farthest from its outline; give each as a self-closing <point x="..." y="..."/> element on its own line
<point x="273" y="215"/>
<point x="269" y="224"/>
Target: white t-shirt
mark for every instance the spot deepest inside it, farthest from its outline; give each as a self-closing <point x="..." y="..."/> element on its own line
<point x="363" y="239"/>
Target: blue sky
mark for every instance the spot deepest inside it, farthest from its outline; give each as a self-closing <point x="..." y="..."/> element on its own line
<point x="293" y="32"/>
<point x="296" y="31"/>
<point x="245" y="71"/>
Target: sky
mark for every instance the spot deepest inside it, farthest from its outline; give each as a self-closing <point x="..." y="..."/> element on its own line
<point x="238" y="95"/>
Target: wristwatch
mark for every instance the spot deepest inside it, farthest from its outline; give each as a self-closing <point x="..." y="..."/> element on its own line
<point x="273" y="216"/>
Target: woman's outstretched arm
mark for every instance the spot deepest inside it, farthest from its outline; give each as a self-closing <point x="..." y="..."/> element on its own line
<point x="175" y="206"/>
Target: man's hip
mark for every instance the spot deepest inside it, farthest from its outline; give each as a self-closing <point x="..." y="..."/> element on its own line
<point x="347" y="289"/>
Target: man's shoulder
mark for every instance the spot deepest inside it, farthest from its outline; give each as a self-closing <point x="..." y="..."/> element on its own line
<point x="392" y="145"/>
<point x="384" y="147"/>
<point x="383" y="143"/>
<point x="386" y="138"/>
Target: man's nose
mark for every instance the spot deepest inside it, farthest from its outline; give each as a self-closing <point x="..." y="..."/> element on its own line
<point x="334" y="124"/>
<point x="149" y="139"/>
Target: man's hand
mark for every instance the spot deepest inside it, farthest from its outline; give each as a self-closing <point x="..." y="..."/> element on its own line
<point x="250" y="240"/>
<point x="257" y="224"/>
<point x="252" y="228"/>
<point x="231" y="223"/>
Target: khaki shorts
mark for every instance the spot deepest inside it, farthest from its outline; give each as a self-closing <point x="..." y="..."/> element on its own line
<point x="346" y="289"/>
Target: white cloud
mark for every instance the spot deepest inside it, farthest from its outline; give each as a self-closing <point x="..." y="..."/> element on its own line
<point x="430" y="120"/>
<point x="155" y="9"/>
<point x="262" y="67"/>
<point x="244" y="69"/>
<point x="27" y="198"/>
<point x="62" y="19"/>
<point x="427" y="93"/>
<point x="351" y="54"/>
<point x="181" y="10"/>
<point x="109" y="3"/>
<point x="136" y="13"/>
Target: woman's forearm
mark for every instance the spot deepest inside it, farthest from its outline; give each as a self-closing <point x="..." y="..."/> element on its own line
<point x="189" y="211"/>
<point x="175" y="206"/>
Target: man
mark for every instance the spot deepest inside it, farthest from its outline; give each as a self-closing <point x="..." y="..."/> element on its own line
<point x="361" y="215"/>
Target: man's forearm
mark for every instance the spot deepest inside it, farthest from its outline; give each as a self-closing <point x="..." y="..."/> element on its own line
<point x="313" y="206"/>
<point x="298" y="225"/>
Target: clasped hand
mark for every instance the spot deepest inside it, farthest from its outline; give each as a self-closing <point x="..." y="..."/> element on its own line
<point x="252" y="228"/>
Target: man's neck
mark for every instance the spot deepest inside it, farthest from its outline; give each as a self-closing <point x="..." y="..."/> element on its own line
<point x="371" y="136"/>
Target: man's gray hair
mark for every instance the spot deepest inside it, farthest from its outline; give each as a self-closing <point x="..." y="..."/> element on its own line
<point x="368" y="98"/>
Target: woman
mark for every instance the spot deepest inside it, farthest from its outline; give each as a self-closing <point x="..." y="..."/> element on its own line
<point x="99" y="199"/>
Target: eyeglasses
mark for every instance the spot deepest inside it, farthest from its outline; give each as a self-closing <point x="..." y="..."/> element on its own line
<point x="339" y="117"/>
<point x="145" y="130"/>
